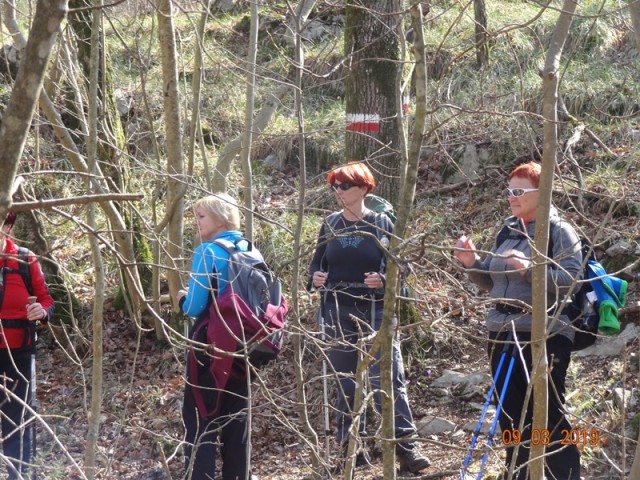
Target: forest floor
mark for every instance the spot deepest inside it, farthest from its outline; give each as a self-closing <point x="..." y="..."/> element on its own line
<point x="141" y="427"/>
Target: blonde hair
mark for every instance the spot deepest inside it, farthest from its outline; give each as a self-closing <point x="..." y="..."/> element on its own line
<point x="223" y="207"/>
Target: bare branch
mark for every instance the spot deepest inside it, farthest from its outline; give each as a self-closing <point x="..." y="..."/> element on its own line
<point x="85" y="199"/>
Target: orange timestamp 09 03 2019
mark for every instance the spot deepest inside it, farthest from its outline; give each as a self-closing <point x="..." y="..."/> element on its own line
<point x="543" y="437"/>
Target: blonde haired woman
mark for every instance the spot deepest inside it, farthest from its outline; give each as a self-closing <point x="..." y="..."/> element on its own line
<point x="217" y="217"/>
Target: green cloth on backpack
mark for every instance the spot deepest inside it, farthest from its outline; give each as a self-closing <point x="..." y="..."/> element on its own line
<point x="611" y="293"/>
<point x="380" y="205"/>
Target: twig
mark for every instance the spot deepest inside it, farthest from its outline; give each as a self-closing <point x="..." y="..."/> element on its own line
<point x="58" y="202"/>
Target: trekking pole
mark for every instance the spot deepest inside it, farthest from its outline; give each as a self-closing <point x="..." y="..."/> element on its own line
<point x="32" y="385"/>
<point x="492" y="430"/>
<point x="325" y="388"/>
<point x="476" y="433"/>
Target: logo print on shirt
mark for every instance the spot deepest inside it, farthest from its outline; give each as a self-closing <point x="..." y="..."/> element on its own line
<point x="351" y="241"/>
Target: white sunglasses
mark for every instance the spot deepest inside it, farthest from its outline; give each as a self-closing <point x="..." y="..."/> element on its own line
<point x="518" y="192"/>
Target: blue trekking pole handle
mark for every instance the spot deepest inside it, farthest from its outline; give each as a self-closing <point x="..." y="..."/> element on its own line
<point x="492" y="431"/>
<point x="476" y="433"/>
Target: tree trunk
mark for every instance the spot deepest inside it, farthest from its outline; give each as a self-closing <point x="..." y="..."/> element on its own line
<point x="111" y="137"/>
<point x="373" y="53"/>
<point x="482" y="47"/>
<point x="233" y="148"/>
<point x="245" y="150"/>
<point x="176" y="185"/>
<point x="540" y="366"/>
<point x="634" y="10"/>
<point x="17" y="117"/>
<point x="47" y="107"/>
<point x="298" y="343"/>
<point x="195" y="131"/>
<point x="98" y="299"/>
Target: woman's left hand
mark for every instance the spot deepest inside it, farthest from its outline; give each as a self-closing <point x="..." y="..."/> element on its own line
<point x="516" y="260"/>
<point x="35" y="312"/>
<point x="374" y="280"/>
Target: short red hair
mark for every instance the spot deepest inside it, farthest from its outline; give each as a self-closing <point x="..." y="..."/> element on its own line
<point x="530" y="171"/>
<point x="355" y="172"/>
<point x="9" y="220"/>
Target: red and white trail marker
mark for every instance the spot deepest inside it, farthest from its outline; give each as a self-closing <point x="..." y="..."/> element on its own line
<point x="363" y="122"/>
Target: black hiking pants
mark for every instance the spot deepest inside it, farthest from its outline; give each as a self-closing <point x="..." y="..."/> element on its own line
<point x="15" y="394"/>
<point x="562" y="461"/>
<point x="227" y="429"/>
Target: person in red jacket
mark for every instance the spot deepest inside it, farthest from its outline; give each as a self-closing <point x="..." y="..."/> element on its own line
<point x="21" y="306"/>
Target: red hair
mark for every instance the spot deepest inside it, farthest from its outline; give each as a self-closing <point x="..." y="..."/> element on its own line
<point x="529" y="171"/>
<point x="9" y="220"/>
<point x="355" y="172"/>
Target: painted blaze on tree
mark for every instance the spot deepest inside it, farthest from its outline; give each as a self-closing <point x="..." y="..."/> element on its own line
<point x="373" y="52"/>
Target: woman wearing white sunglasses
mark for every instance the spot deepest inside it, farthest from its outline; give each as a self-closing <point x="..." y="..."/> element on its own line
<point x="506" y="274"/>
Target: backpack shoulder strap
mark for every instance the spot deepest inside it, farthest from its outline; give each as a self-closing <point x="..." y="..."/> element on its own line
<point x="227" y="245"/>
<point x="505" y="231"/>
<point x="379" y="223"/>
<point x="24" y="269"/>
<point x="503" y="234"/>
<point x="332" y="220"/>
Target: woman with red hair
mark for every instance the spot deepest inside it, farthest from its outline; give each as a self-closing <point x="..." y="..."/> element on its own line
<point x="506" y="274"/>
<point x="349" y="268"/>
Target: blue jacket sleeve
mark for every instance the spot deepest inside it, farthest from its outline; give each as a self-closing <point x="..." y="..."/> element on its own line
<point x="203" y="269"/>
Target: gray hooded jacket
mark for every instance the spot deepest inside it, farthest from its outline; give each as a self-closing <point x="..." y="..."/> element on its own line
<point x="502" y="282"/>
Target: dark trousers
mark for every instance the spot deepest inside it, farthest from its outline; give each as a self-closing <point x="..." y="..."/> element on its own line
<point x="228" y="428"/>
<point x="562" y="461"/>
<point x="17" y="426"/>
<point x="343" y="334"/>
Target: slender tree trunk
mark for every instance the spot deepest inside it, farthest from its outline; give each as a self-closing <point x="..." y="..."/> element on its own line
<point x="98" y="299"/>
<point x="373" y="51"/>
<point x="405" y="201"/>
<point x="195" y="131"/>
<point x="482" y="47"/>
<point x="175" y="163"/>
<point x="245" y="151"/>
<point x="634" y="9"/>
<point x="294" y="27"/>
<point x="539" y="376"/>
<point x="297" y="340"/>
<point x="233" y="148"/>
<point x="245" y="156"/>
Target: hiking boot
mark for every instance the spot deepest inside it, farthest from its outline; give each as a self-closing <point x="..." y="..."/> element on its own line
<point x="362" y="459"/>
<point x="411" y="460"/>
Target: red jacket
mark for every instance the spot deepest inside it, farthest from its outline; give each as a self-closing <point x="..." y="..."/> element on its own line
<point x="14" y="295"/>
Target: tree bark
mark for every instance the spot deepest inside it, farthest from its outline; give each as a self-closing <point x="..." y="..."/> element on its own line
<point x="298" y="343"/>
<point x="195" y="131"/>
<point x="405" y="202"/>
<point x="634" y="9"/>
<point x="233" y="148"/>
<point x="539" y="376"/>
<point x="373" y="51"/>
<point x="247" y="137"/>
<point x="24" y="96"/>
<point x="482" y="36"/>
<point x="176" y="186"/>
<point x="98" y="266"/>
<point x="125" y="246"/>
